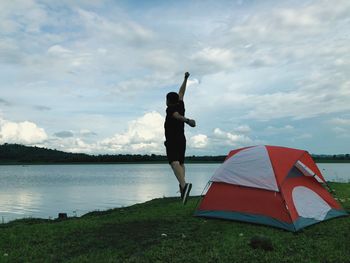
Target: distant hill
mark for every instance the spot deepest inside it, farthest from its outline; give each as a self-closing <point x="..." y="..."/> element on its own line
<point x="16" y="153"/>
<point x="20" y="154"/>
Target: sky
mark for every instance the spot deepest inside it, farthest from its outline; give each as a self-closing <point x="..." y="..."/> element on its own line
<point x="91" y="76"/>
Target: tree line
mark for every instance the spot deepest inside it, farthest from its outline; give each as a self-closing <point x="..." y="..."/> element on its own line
<point x="21" y="154"/>
<point x="16" y="153"/>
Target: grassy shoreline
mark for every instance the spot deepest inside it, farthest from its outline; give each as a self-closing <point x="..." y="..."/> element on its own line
<point x="163" y="230"/>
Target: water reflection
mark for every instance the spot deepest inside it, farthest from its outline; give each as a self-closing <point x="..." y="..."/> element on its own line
<point x="19" y="203"/>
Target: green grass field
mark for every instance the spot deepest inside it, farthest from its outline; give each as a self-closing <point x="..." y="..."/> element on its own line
<point x="163" y="230"/>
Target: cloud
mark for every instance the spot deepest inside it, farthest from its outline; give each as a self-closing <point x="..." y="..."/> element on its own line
<point x="64" y="134"/>
<point x="229" y="138"/>
<point x="220" y="141"/>
<point x="161" y="59"/>
<point x="58" y="50"/>
<point x="42" y="108"/>
<point x="340" y="121"/>
<point x="341" y="132"/>
<point x="198" y="141"/>
<point x="67" y="60"/>
<point x="77" y="142"/>
<point x="295" y="19"/>
<point x="279" y="130"/>
<point x="193" y="82"/>
<point x="9" y="52"/>
<point x="308" y="100"/>
<point x="144" y="135"/>
<point x="87" y="133"/>
<point x="243" y="129"/>
<point x="282" y="24"/>
<point x="71" y="144"/>
<point x="135" y="86"/>
<point x="22" y="132"/>
<point x="121" y="29"/>
<point x="303" y="136"/>
<point x="4" y="102"/>
<point x="341" y="127"/>
<point x="213" y="59"/>
<point x="21" y="15"/>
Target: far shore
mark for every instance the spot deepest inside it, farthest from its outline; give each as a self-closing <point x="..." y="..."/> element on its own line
<point x="149" y="162"/>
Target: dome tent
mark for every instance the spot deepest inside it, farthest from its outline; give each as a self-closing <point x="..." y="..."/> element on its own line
<point x="270" y="185"/>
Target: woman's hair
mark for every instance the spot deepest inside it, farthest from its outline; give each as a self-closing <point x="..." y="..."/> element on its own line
<point x="172" y="97"/>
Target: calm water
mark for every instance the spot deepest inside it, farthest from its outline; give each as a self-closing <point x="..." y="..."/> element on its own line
<point x="45" y="190"/>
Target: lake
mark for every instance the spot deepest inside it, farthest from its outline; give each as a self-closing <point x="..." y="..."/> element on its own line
<point x="45" y="190"/>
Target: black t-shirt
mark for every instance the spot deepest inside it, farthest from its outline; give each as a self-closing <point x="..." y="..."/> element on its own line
<point x="174" y="129"/>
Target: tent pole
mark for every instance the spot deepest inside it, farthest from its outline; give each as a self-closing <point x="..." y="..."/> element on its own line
<point x="201" y="195"/>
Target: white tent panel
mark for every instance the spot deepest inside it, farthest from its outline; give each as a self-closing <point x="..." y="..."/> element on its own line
<point x="309" y="204"/>
<point x="249" y="167"/>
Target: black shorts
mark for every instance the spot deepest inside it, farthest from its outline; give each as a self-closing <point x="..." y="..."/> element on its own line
<point x="175" y="150"/>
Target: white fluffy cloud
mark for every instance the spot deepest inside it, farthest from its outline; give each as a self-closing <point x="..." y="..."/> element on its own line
<point x="70" y="144"/>
<point x="243" y="129"/>
<point x="230" y="138"/>
<point x="198" y="141"/>
<point x="220" y="141"/>
<point x="22" y="132"/>
<point x="144" y="135"/>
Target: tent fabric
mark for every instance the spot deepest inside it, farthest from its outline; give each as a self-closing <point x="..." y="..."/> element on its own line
<point x="309" y="204"/>
<point x="282" y="160"/>
<point x="310" y="183"/>
<point x="244" y="199"/>
<point x="246" y="217"/>
<point x="269" y="185"/>
<point x="258" y="173"/>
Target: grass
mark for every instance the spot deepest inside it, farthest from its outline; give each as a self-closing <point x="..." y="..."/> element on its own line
<point x="163" y="230"/>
